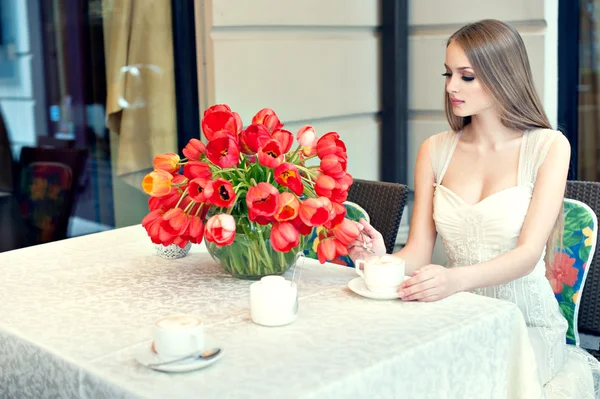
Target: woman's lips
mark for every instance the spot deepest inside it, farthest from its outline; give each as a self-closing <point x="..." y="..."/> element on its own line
<point x="456" y="102"/>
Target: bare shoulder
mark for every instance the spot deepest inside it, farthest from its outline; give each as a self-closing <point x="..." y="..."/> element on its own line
<point x="560" y="148"/>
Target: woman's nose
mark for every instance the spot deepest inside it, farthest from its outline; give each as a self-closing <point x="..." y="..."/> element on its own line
<point x="452" y="85"/>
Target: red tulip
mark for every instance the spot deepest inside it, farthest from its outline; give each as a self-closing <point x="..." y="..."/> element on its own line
<point x="217" y="121"/>
<point x="335" y="190"/>
<point x="287" y="175"/>
<point x="197" y="169"/>
<point x="222" y="193"/>
<point x="260" y="219"/>
<point x="262" y="199"/>
<point x="217" y="107"/>
<point x="168" y="162"/>
<point x="194" y="149"/>
<point x="284" y="237"/>
<point x="326" y="249"/>
<point x="270" y="154"/>
<point x="267" y="117"/>
<point x="334" y="166"/>
<point x="316" y="211"/>
<point x="253" y="137"/>
<point x="200" y="190"/>
<point x="152" y="223"/>
<point x="324" y="186"/>
<point x="302" y="228"/>
<point x="195" y="230"/>
<point x="223" y="151"/>
<point x="287" y="207"/>
<point x="175" y="221"/>
<point x="346" y="232"/>
<point x="285" y="139"/>
<point x="220" y="229"/>
<point x="339" y="213"/>
<point x="157" y="183"/>
<point x="330" y="144"/>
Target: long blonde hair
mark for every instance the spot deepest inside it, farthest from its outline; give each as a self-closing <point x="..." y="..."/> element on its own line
<point x="499" y="58"/>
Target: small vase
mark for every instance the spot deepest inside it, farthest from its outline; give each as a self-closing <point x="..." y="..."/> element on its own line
<point x="250" y="256"/>
<point x="172" y="251"/>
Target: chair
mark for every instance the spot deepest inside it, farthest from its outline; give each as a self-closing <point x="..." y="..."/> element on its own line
<point x="48" y="181"/>
<point x="6" y="160"/>
<point x="589" y="311"/>
<point x="384" y="202"/>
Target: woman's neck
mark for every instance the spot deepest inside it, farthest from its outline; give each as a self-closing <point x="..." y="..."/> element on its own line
<point x="486" y="130"/>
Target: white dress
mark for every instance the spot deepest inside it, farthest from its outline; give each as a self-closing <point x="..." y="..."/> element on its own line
<point x="477" y="233"/>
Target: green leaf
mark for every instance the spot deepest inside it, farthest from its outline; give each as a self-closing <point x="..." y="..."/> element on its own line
<point x="577" y="219"/>
<point x="568" y="311"/>
<point x="571" y="333"/>
<point x="572" y="238"/>
<point x="584" y="253"/>
<point x="567" y="294"/>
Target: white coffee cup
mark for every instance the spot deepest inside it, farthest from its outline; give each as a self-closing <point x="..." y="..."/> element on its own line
<point x="178" y="335"/>
<point x="382" y="274"/>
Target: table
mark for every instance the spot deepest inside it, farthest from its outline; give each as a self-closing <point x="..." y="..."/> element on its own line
<point x="73" y="314"/>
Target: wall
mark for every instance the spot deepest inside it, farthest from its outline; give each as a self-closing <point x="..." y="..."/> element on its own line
<point x="433" y="21"/>
<point x="22" y="100"/>
<point x="313" y="61"/>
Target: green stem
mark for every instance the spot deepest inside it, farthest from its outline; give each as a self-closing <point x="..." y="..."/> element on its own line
<point x="181" y="198"/>
<point x="199" y="208"/>
<point x="189" y="206"/>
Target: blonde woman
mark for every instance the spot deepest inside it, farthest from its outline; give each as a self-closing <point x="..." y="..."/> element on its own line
<point x="492" y="187"/>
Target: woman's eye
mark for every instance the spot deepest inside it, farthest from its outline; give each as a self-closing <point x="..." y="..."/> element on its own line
<point x="468" y="78"/>
<point x="447" y="74"/>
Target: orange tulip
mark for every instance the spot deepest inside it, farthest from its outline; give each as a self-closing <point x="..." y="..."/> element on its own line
<point x="157" y="183"/>
<point x="287" y="207"/>
<point x="316" y="211"/>
<point x="168" y="162"/>
<point x="284" y="237"/>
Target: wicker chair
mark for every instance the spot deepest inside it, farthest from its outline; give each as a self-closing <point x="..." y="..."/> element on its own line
<point x="589" y="311"/>
<point x="384" y="202"/>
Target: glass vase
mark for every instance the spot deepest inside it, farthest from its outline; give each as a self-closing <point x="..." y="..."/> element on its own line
<point x="250" y="256"/>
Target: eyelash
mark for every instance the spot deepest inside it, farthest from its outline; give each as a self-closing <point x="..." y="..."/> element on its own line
<point x="465" y="78"/>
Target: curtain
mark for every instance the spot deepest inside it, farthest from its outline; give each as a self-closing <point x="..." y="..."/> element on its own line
<point x="140" y="103"/>
<point x="589" y="94"/>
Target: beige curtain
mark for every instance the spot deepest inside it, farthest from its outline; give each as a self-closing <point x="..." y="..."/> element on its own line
<point x="589" y="95"/>
<point x="140" y="104"/>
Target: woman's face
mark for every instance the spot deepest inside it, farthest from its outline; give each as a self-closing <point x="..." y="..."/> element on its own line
<point x="467" y="95"/>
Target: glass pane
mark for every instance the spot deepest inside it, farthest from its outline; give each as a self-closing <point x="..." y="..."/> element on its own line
<point x="89" y="84"/>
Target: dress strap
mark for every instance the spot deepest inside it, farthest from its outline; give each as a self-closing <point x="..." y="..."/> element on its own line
<point x="535" y="147"/>
<point x="441" y="148"/>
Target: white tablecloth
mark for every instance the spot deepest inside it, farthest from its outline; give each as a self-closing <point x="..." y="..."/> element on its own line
<point x="73" y="314"/>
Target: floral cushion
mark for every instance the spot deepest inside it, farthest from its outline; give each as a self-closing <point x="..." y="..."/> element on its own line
<point x="44" y="190"/>
<point x="570" y="266"/>
<point x="353" y="212"/>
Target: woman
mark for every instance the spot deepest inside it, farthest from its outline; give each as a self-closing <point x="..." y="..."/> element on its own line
<point x="492" y="187"/>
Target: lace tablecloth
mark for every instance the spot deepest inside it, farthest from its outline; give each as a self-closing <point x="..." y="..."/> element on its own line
<point x="73" y="314"/>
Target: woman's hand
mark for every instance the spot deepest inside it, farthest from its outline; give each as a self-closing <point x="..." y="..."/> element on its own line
<point x="374" y="241"/>
<point x="429" y="283"/>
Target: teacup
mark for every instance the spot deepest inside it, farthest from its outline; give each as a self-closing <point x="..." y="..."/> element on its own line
<point x="382" y="274"/>
<point x="178" y="336"/>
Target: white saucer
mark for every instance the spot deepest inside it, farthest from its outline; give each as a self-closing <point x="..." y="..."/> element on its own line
<point x="359" y="287"/>
<point x="145" y="356"/>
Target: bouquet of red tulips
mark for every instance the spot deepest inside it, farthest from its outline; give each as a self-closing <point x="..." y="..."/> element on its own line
<point x="253" y="185"/>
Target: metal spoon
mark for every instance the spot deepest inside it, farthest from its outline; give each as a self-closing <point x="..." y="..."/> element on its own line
<point x="204" y="355"/>
<point x="364" y="243"/>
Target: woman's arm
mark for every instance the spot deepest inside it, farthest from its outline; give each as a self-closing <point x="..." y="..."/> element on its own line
<point x="422" y="234"/>
<point x="433" y="282"/>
